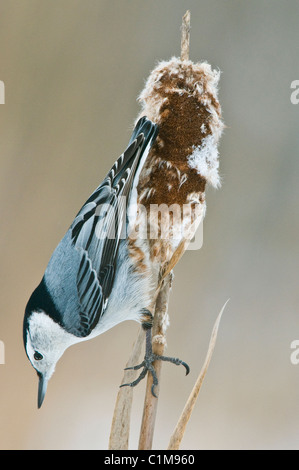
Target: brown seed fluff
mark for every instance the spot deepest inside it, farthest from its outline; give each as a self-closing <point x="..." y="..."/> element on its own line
<point x="181" y="97"/>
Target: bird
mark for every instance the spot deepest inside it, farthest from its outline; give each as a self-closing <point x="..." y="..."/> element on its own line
<point x="128" y="236"/>
<point x="91" y="283"/>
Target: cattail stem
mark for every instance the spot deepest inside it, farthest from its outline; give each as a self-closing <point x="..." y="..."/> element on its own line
<point x="158" y="344"/>
<point x="119" y="436"/>
<point x="185" y="38"/>
<point x="161" y="306"/>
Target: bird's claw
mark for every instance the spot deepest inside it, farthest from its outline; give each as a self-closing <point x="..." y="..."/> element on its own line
<point x="147" y="365"/>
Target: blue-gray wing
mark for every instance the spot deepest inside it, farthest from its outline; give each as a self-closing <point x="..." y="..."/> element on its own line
<point x="100" y="225"/>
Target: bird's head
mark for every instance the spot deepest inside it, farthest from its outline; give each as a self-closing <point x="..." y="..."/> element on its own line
<point x="44" y="338"/>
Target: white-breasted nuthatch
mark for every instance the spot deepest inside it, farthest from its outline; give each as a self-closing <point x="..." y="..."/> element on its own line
<point x="100" y="274"/>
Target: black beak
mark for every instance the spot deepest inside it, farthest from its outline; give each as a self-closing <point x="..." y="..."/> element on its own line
<point x="42" y="388"/>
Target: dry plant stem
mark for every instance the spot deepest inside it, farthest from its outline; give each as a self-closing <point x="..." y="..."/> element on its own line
<point x="178" y="434"/>
<point x="158" y="344"/>
<point x="178" y="253"/>
<point x="120" y="428"/>
<point x="185" y="38"/>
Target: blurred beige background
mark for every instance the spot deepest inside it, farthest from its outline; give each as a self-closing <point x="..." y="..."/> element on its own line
<point x="72" y="71"/>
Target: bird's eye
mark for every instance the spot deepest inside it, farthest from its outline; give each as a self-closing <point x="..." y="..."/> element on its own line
<point x="38" y="356"/>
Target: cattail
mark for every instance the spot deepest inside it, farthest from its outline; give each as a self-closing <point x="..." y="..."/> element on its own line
<point x="182" y="98"/>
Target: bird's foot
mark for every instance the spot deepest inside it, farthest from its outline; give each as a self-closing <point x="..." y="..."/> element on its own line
<point x="147" y="365"/>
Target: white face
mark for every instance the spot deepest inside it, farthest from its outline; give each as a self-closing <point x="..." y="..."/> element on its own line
<point x="46" y="342"/>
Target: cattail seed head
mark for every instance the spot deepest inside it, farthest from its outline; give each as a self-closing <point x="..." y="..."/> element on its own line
<point x="182" y="98"/>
